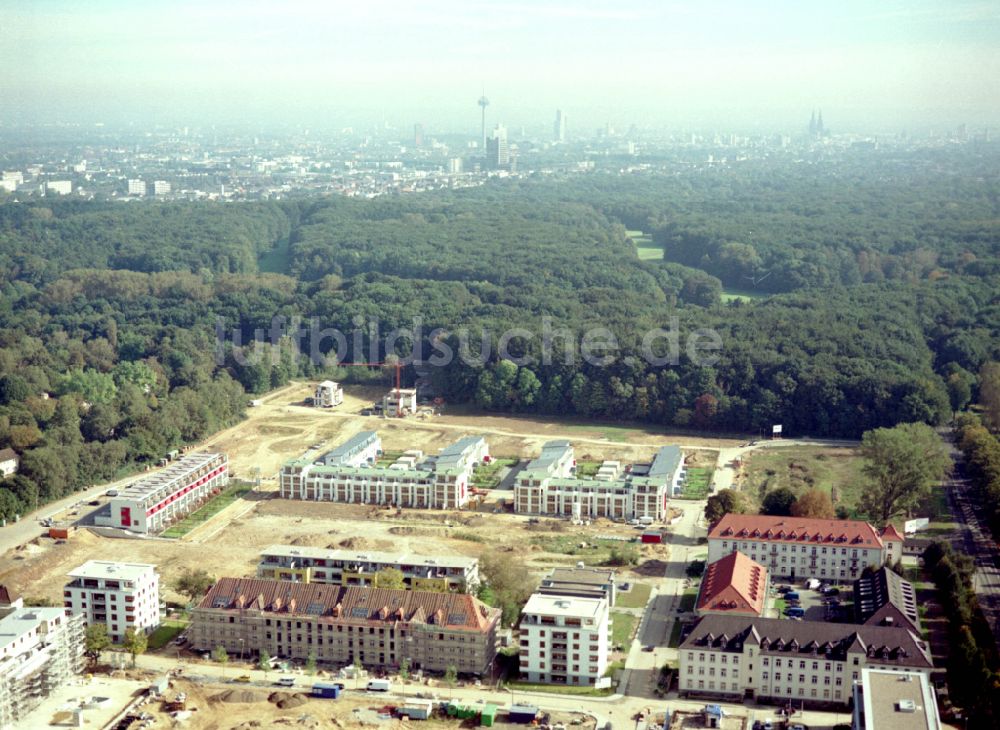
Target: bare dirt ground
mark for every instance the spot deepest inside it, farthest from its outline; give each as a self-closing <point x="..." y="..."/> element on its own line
<point x="229" y="544"/>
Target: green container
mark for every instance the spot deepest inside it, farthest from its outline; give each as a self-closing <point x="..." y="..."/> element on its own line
<point x="489" y="715"/>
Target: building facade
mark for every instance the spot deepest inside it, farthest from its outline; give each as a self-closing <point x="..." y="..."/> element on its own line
<point x="9" y="462"/>
<point x="378" y="628"/>
<point x="797" y="547"/>
<point x="137" y="188"/>
<point x="120" y="595"/>
<point x="349" y="568"/>
<point x="41" y="649"/>
<point x="411" y="481"/>
<point x="782" y="661"/>
<point x="361" y="449"/>
<point x="548" y="486"/>
<point x="328" y="394"/>
<point x="564" y="639"/>
<point x="152" y="503"/>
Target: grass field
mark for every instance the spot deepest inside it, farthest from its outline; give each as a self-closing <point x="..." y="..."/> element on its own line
<point x="487" y="476"/>
<point x="645" y="247"/>
<point x="596" y="552"/>
<point x="587" y="469"/>
<point x="277" y="260"/>
<point x="801" y="468"/>
<point x="696" y="483"/>
<point x="622" y="628"/>
<point x="688" y="598"/>
<point x="166" y="632"/>
<point x="234" y="491"/>
<point x="638" y="597"/>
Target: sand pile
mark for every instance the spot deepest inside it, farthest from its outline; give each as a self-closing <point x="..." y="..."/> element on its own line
<point x="287" y="701"/>
<point x="239" y="695"/>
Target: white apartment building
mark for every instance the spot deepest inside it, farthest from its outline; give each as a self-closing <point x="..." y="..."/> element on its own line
<point x="328" y="394"/>
<point x="59" y="187"/>
<point x="548" y="486"/>
<point x="152" y="503"/>
<point x="361" y="449"/>
<point x="894" y="701"/>
<point x="408" y="482"/>
<point x="403" y="401"/>
<point x="350" y="568"/>
<point x="779" y="660"/>
<point x="137" y="187"/>
<point x="121" y="595"/>
<point x="463" y="455"/>
<point x="798" y="547"/>
<point x="564" y="640"/>
<point x="9" y="462"/>
<point x="161" y="187"/>
<point x="40" y="650"/>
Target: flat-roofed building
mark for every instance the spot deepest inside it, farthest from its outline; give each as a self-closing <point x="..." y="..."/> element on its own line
<point x="361" y="449"/>
<point x="411" y="481"/>
<point x="780" y="661"/>
<point x="465" y="454"/>
<point x="564" y="639"/>
<point x="733" y="585"/>
<point x="581" y="582"/>
<point x="120" y="595"/>
<point x="547" y="485"/>
<point x="352" y="568"/>
<point x="883" y="598"/>
<point x="400" y="401"/>
<point x="376" y="627"/>
<point x="894" y="701"/>
<point x="328" y="394"/>
<point x="800" y="547"/>
<point x="152" y="503"/>
<point x="41" y="649"/>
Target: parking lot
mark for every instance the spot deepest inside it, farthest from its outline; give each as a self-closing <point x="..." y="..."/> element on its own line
<point x="833" y="606"/>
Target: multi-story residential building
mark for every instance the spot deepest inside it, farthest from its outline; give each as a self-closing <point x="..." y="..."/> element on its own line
<point x="580" y="582"/>
<point x="402" y="400"/>
<point x="463" y="455"/>
<point x="121" y="595"/>
<point x="151" y="503"/>
<point x="377" y="627"/>
<point x="564" y="639"/>
<point x="547" y="486"/>
<point x="137" y="187"/>
<point x="780" y="661"/>
<point x="733" y="585"/>
<point x="328" y="394"/>
<point x="9" y="462"/>
<point x="161" y="187"/>
<point x="361" y="449"/>
<point x="349" y="568"/>
<point x="409" y="482"/>
<point x="894" y="701"/>
<point x="59" y="187"/>
<point x="883" y="598"/>
<point x="40" y="650"/>
<point x="799" y="547"/>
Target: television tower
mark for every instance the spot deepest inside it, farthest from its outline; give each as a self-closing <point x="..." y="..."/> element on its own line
<point x="484" y="102"/>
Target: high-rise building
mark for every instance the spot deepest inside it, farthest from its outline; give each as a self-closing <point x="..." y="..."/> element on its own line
<point x="137" y="187"/>
<point x="497" y="150"/>
<point x="418" y="135"/>
<point x="559" y="128"/>
<point x="564" y="639"/>
<point x="483" y="103"/>
<point x="161" y="187"/>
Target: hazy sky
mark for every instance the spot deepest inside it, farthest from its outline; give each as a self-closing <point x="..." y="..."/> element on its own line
<point x="726" y="63"/>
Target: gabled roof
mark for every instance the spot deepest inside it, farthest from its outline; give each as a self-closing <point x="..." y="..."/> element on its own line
<point x="889" y="532"/>
<point x="734" y="584"/>
<point x="8" y="454"/>
<point x="882" y="645"/>
<point x="884" y="598"/>
<point x="352" y="604"/>
<point x="802" y="530"/>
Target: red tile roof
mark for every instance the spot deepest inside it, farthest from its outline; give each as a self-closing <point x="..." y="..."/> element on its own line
<point x="889" y="532"/>
<point x="352" y="604"/>
<point x="734" y="585"/>
<point x="854" y="533"/>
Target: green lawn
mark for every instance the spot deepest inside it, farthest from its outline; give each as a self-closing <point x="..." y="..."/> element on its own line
<point x="596" y="552"/>
<point x="637" y="597"/>
<point x="234" y="491"/>
<point x="688" y="599"/>
<point x="780" y="605"/>
<point x="622" y="627"/>
<point x="561" y="689"/>
<point x="487" y="476"/>
<point x="645" y="246"/>
<point x="166" y="632"/>
<point x="742" y="295"/>
<point x="587" y="469"/>
<point x="801" y="468"/>
<point x="277" y="260"/>
<point x="697" y="482"/>
<point x="387" y="458"/>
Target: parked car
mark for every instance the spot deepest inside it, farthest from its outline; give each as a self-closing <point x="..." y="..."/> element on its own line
<point x="242" y="678"/>
<point x="648" y="647"/>
<point x="831" y="592"/>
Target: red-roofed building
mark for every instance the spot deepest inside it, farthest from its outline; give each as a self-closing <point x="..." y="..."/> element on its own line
<point x="801" y="547"/>
<point x="734" y="585"/>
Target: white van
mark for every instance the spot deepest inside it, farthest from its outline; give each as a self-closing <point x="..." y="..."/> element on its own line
<point x="286" y="682"/>
<point x="379" y="685"/>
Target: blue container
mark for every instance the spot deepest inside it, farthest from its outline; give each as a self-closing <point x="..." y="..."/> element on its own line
<point x="325" y="691"/>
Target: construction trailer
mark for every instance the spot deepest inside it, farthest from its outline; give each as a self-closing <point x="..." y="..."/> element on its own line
<point x="416" y="709"/>
<point x="325" y="691"/>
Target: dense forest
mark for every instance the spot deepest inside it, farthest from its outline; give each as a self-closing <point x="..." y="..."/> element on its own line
<point x="873" y="301"/>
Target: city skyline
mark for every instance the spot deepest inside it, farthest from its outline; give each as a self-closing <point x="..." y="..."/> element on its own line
<point x="915" y="64"/>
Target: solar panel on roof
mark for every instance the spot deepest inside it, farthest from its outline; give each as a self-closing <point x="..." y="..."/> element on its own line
<point x="316" y="609"/>
<point x="456" y="618"/>
<point x="220" y="602"/>
<point x="359" y="612"/>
